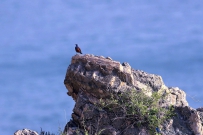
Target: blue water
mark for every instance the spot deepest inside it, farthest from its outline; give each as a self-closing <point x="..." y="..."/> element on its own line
<point x="37" y="42"/>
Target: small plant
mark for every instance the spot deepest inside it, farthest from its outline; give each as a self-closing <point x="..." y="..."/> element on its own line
<point x="60" y="131"/>
<point x="45" y="133"/>
<point x="142" y="110"/>
<point x="97" y="132"/>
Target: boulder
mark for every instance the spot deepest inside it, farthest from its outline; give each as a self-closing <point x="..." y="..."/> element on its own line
<point x="26" y="132"/>
<point x="91" y="78"/>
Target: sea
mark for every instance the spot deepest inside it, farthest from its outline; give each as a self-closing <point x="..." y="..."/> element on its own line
<point x="37" y="40"/>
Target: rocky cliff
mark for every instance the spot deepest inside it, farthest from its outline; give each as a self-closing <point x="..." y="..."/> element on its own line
<point x="97" y="85"/>
<point x="91" y="78"/>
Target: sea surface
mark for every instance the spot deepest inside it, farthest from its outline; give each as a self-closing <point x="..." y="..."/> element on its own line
<point x="37" y="40"/>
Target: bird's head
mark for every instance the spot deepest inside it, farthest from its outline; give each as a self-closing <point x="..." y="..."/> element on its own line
<point x="76" y="45"/>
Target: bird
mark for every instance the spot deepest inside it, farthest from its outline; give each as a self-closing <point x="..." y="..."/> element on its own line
<point x="77" y="49"/>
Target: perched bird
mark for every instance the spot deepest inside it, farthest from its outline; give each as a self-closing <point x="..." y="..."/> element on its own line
<point x="77" y="49"/>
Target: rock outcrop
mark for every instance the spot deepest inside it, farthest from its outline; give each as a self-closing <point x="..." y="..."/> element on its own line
<point x="90" y="78"/>
<point x="26" y="132"/>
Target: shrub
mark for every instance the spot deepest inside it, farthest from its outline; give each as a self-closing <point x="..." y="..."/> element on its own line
<point x="142" y="110"/>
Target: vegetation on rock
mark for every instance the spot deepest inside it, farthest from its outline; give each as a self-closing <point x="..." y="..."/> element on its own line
<point x="139" y="109"/>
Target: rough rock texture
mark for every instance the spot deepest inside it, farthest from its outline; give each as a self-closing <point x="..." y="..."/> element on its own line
<point x="26" y="132"/>
<point x="90" y="78"/>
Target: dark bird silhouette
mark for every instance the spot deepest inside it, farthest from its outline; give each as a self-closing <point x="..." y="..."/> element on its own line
<point x="77" y="49"/>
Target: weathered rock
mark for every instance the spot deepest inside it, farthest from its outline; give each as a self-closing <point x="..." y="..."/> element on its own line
<point x="99" y="76"/>
<point x="26" y="132"/>
<point x="90" y="78"/>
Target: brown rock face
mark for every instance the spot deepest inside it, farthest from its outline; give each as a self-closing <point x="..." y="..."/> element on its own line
<point x="90" y="78"/>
